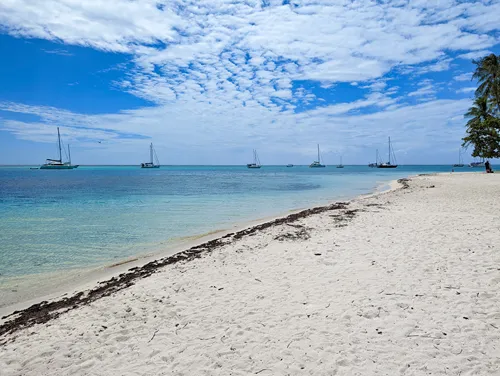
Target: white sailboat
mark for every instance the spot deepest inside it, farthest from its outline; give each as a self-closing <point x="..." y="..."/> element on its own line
<point x="460" y="159"/>
<point x="58" y="164"/>
<point x="389" y="164"/>
<point x="256" y="161"/>
<point x="317" y="163"/>
<point x="340" y="165"/>
<point x="151" y="163"/>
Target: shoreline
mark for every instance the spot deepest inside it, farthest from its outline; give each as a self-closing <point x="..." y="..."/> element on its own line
<point x="69" y="282"/>
<point x="90" y="286"/>
<point x="404" y="282"/>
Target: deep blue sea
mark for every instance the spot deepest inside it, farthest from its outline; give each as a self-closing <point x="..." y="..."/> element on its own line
<point x="97" y="215"/>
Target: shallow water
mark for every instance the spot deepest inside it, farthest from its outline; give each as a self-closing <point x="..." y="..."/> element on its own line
<point x="96" y="215"/>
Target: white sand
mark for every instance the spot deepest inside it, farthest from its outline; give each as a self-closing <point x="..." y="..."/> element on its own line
<point x="409" y="287"/>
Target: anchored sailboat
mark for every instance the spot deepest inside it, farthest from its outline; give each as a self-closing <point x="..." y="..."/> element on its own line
<point x="256" y="161"/>
<point x="389" y="164"/>
<point x="58" y="164"/>
<point x="151" y="163"/>
<point x="317" y="163"/>
<point x="477" y="164"/>
<point x="375" y="164"/>
<point x="460" y="159"/>
<point x="340" y="165"/>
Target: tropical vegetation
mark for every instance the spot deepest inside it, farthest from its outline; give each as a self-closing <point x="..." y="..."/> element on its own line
<point x="483" y="127"/>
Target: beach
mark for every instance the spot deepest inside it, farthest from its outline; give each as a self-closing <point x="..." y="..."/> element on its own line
<point x="404" y="282"/>
<point x="58" y="231"/>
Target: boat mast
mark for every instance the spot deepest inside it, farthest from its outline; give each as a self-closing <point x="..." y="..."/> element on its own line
<point x="389" y="150"/>
<point x="318" y="155"/>
<point x="151" y="152"/>
<point x="59" y="141"/>
<point x="69" y="155"/>
<point x="376" y="157"/>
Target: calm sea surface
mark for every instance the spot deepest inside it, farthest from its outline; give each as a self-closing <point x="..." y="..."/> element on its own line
<point x="60" y="220"/>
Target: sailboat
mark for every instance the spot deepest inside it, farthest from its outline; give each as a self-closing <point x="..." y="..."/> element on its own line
<point x="460" y="160"/>
<point x="375" y="164"/>
<point x="340" y="165"/>
<point x="256" y="161"/>
<point x="151" y="163"/>
<point x="317" y="163"/>
<point x="388" y="164"/>
<point x="477" y="164"/>
<point x="58" y="164"/>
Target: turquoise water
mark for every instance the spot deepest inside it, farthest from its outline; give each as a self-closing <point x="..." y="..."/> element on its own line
<point x="92" y="216"/>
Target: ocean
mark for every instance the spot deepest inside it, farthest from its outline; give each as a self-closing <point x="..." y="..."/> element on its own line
<point x="93" y="216"/>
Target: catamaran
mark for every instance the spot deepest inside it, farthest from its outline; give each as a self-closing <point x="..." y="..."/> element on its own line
<point x="340" y="165"/>
<point x="317" y="163"/>
<point x="256" y="161"/>
<point x="460" y="160"/>
<point x="389" y="164"/>
<point x="151" y="163"/>
<point x="58" y="164"/>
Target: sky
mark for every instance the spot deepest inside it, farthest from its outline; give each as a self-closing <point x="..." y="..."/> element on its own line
<point x="207" y="81"/>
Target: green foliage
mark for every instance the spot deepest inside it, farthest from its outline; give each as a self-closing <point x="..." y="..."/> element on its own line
<point x="485" y="137"/>
<point x="483" y="126"/>
<point x="487" y="74"/>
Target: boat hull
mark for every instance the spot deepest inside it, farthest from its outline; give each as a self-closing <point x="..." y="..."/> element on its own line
<point x="458" y="165"/>
<point x="387" y="166"/>
<point x="319" y="166"/>
<point x="253" y="165"/>
<point x="61" y="167"/>
<point x="150" y="166"/>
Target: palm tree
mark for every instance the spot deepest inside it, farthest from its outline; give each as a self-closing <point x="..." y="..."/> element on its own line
<point x="488" y="75"/>
<point x="482" y="130"/>
<point x="478" y="113"/>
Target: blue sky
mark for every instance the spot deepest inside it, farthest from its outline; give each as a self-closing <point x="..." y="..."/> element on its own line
<point x="208" y="81"/>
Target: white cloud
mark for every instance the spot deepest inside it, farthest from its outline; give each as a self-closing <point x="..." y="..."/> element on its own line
<point x="326" y="41"/>
<point x="378" y="86"/>
<point x="345" y="70"/>
<point x="474" y="55"/>
<point x="215" y="68"/>
<point x="481" y="16"/>
<point x="439" y="66"/>
<point x="60" y="52"/>
<point x="204" y="130"/>
<point x="374" y="99"/>
<point x="466" y="90"/>
<point x="115" y="25"/>
<point x="463" y="77"/>
<point x="423" y="91"/>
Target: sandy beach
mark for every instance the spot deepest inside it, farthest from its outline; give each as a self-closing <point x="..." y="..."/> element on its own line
<point x="401" y="283"/>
